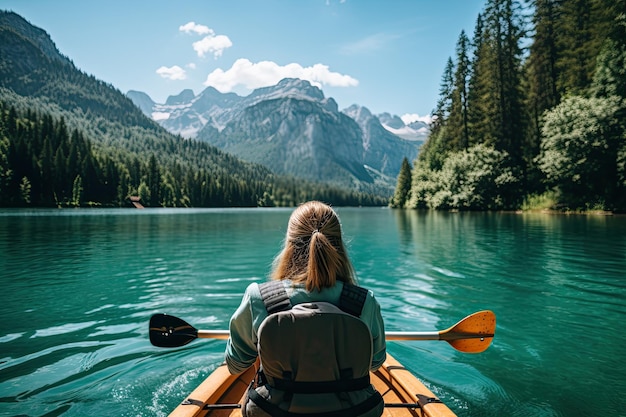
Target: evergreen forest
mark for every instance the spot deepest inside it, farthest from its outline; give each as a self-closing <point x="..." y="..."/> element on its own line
<point x="531" y="113"/>
<point x="44" y="163"/>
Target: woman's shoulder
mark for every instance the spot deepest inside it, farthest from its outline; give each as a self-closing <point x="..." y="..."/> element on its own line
<point x="252" y="292"/>
<point x="369" y="292"/>
<point x="370" y="300"/>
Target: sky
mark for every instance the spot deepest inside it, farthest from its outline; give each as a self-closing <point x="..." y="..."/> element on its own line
<point x="386" y="55"/>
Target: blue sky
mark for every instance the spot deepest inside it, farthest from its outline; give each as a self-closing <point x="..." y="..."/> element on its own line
<point x="386" y="55"/>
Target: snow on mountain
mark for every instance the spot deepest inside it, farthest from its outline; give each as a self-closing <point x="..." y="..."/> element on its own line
<point x="186" y="114"/>
<point x="416" y="130"/>
<point x="293" y="128"/>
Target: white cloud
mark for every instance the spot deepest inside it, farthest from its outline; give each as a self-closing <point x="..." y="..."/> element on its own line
<point x="410" y="118"/>
<point x="195" y="28"/>
<point x="172" y="73"/>
<point x="191" y="65"/>
<point x="265" y="73"/>
<point x="212" y="44"/>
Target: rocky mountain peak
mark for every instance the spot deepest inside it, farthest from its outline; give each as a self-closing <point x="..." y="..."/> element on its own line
<point x="329" y="104"/>
<point x="288" y="87"/>
<point x="184" y="97"/>
<point x="392" y="121"/>
<point x="359" y="113"/>
<point x="37" y="36"/>
<point x="292" y="128"/>
<point x="142" y="100"/>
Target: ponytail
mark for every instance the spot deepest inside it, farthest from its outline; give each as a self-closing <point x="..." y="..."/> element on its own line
<point x="323" y="263"/>
<point x="314" y="253"/>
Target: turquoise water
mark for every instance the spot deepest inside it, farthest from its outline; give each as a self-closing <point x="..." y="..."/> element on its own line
<point x="79" y="286"/>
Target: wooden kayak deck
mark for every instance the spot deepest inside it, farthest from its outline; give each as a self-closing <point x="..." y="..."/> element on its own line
<point x="394" y="382"/>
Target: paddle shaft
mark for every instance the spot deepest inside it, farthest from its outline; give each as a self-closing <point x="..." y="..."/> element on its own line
<point x="473" y="334"/>
<point x="444" y="335"/>
<point x="450" y="335"/>
<point x="213" y="334"/>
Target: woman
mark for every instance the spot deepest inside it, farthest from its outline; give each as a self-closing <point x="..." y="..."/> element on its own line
<point x="313" y="266"/>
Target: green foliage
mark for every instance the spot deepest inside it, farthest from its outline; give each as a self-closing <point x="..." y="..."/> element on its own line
<point x="444" y="104"/>
<point x="24" y="191"/>
<point x="552" y="121"/>
<point x="403" y="188"/>
<point x="546" y="201"/>
<point x="77" y="191"/>
<point x="434" y="152"/>
<point x="581" y="29"/>
<point x="267" y="200"/>
<point x="144" y="192"/>
<point x="5" y="169"/>
<point x="458" y="122"/>
<point x="583" y="141"/>
<point x="473" y="179"/>
<point x="610" y="75"/>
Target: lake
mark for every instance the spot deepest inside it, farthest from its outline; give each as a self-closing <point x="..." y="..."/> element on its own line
<point x="79" y="286"/>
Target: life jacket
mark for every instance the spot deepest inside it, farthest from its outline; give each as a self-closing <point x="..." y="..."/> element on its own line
<point x="315" y="358"/>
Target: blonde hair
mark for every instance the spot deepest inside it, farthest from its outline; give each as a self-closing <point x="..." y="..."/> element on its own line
<point x="314" y="252"/>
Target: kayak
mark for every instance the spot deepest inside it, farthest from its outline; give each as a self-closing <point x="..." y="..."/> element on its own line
<point x="221" y="394"/>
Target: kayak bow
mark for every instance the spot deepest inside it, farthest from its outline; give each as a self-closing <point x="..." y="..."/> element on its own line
<point x="221" y="394"/>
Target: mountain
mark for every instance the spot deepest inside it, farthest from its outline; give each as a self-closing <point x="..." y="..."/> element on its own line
<point x="296" y="136"/>
<point x="381" y="148"/>
<point x="36" y="45"/>
<point x="68" y="138"/>
<point x="31" y="66"/>
<point x="186" y="114"/>
<point x="290" y="140"/>
<point x="143" y="101"/>
<point x="417" y="130"/>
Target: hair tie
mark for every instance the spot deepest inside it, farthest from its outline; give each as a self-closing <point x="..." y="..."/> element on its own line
<point x="315" y="231"/>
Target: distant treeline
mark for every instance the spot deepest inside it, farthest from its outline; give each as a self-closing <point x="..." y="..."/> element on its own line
<point x="532" y="113"/>
<point x="44" y="163"/>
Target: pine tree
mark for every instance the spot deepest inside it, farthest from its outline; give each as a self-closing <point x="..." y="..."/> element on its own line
<point x="77" y="191"/>
<point x="444" y="104"/>
<point x="5" y="170"/>
<point x="481" y="99"/>
<point x="154" y="182"/>
<point x="541" y="70"/>
<point x="25" y="191"/>
<point x="505" y="30"/>
<point x="434" y="150"/>
<point x="46" y="191"/>
<point x="610" y="72"/>
<point x="575" y="43"/>
<point x="457" y="125"/>
<point x="403" y="187"/>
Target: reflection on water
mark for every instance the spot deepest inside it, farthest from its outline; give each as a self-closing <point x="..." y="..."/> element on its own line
<point x="80" y="285"/>
<point x="557" y="286"/>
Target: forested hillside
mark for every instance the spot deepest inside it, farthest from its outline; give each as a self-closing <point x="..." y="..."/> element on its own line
<point x="44" y="163"/>
<point x="68" y="139"/>
<point x="532" y="113"/>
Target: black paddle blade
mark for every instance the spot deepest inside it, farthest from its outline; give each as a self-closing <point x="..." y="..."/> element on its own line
<point x="169" y="331"/>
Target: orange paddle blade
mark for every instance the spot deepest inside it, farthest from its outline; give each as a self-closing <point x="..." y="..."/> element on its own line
<point x="473" y="334"/>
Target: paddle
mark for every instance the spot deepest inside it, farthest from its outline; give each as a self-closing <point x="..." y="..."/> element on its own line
<point x="473" y="334"/>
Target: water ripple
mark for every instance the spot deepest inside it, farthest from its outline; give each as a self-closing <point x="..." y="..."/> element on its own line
<point x="79" y="289"/>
